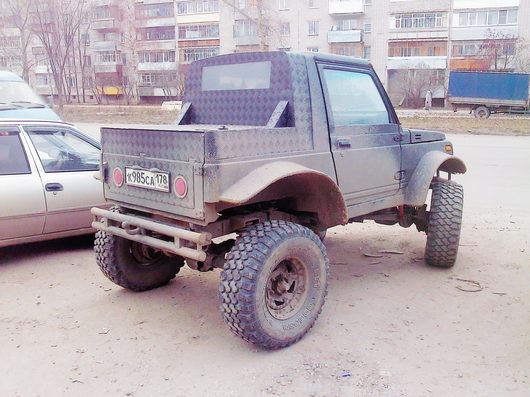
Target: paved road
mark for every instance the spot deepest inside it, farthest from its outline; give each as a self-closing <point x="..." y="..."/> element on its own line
<point x="398" y="328"/>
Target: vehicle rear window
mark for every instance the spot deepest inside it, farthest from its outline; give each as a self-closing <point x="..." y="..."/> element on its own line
<point x="13" y="158"/>
<point x="239" y="76"/>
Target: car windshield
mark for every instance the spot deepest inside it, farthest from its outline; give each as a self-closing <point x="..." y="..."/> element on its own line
<point x="18" y="92"/>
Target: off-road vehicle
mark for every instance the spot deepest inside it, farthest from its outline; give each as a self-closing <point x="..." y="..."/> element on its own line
<point x="268" y="152"/>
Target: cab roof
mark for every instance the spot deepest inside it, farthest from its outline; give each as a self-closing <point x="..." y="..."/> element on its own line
<point x="9" y="76"/>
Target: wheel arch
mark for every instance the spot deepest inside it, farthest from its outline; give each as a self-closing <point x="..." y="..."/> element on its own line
<point x="421" y="178"/>
<point x="312" y="191"/>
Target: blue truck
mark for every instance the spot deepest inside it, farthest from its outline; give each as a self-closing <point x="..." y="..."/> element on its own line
<point x="489" y="92"/>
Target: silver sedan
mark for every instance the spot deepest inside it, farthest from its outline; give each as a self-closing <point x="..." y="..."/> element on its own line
<point x="47" y="181"/>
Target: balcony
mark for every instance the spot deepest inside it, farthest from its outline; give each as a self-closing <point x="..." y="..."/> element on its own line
<point x="247" y="40"/>
<point x="156" y="66"/>
<point x="103" y="46"/>
<point x="111" y="67"/>
<point x="481" y="32"/>
<point x="425" y="62"/>
<point x="154" y="22"/>
<point x="152" y="45"/>
<point x="345" y="7"/>
<point x="104" y="24"/>
<point x="435" y="33"/>
<point x="344" y="36"/>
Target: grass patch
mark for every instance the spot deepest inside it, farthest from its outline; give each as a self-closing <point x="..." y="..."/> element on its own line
<point x="470" y="125"/>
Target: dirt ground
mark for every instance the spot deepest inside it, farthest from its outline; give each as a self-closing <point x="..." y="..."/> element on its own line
<point x="395" y="328"/>
<point x="440" y="120"/>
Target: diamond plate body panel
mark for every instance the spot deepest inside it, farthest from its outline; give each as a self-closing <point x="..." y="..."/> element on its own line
<point x="222" y="145"/>
<point x="178" y="153"/>
<point x="154" y="143"/>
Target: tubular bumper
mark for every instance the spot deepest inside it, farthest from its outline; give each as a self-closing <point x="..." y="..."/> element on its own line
<point x="135" y="228"/>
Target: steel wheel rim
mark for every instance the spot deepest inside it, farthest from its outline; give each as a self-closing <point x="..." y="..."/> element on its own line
<point x="286" y="290"/>
<point x="144" y="255"/>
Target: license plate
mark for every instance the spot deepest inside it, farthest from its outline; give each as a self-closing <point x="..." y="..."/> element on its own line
<point x="147" y="179"/>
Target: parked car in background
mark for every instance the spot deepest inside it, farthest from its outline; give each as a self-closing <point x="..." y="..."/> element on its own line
<point x="46" y="181"/>
<point x="19" y="101"/>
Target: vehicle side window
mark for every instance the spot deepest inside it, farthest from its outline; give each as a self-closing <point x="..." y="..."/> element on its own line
<point x="354" y="98"/>
<point x="61" y="150"/>
<point x="13" y="158"/>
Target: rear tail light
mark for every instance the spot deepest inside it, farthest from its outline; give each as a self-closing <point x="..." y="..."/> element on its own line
<point x="117" y="176"/>
<point x="181" y="187"/>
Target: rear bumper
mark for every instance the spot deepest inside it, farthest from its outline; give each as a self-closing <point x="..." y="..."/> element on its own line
<point x="135" y="228"/>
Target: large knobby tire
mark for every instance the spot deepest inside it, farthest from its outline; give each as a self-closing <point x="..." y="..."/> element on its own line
<point x="274" y="283"/>
<point x="132" y="265"/>
<point x="445" y="222"/>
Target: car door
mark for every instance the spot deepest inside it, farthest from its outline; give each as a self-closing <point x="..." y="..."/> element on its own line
<point x="23" y="207"/>
<point x="67" y="161"/>
<point x="364" y="133"/>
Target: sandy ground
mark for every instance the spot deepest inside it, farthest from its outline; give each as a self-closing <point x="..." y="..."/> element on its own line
<point x="396" y="328"/>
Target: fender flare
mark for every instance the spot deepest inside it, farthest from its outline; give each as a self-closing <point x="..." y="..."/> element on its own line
<point x="421" y="178"/>
<point x="314" y="190"/>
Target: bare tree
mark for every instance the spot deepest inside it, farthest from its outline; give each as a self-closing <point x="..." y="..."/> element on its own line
<point x="499" y="49"/>
<point x="522" y="56"/>
<point x="261" y="13"/>
<point x="56" y="23"/>
<point x="414" y="83"/>
<point x="20" y="17"/>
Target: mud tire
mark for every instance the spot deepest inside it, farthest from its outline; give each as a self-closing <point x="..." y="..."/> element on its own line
<point x="244" y="289"/>
<point x="445" y="222"/>
<point x="116" y="260"/>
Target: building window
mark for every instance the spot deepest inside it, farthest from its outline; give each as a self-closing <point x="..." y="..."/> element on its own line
<point x="109" y="36"/>
<point x="466" y="48"/>
<point x="42" y="80"/>
<point x="198" y="7"/>
<point x="416" y="49"/>
<point x="367" y="2"/>
<point x="367" y="54"/>
<point x="194" y="54"/>
<point x="312" y="49"/>
<point x="313" y="3"/>
<point x="484" y="18"/>
<point x="102" y="12"/>
<point x="85" y="39"/>
<point x="9" y="41"/>
<point x="193" y="32"/>
<point x="283" y="4"/>
<point x="157" y="79"/>
<point x="344" y="51"/>
<point x="154" y="10"/>
<point x="109" y="57"/>
<point x="163" y="33"/>
<point x="367" y="25"/>
<point x="10" y="61"/>
<point x="285" y="29"/>
<point x="346" y="24"/>
<point x="156" y="57"/>
<point x="245" y="28"/>
<point x="313" y="28"/>
<point x="418" y="21"/>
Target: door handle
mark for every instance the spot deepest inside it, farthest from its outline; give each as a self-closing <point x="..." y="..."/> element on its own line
<point x="343" y="143"/>
<point x="53" y="187"/>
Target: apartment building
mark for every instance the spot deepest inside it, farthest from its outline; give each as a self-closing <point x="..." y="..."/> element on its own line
<point x="139" y="50"/>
